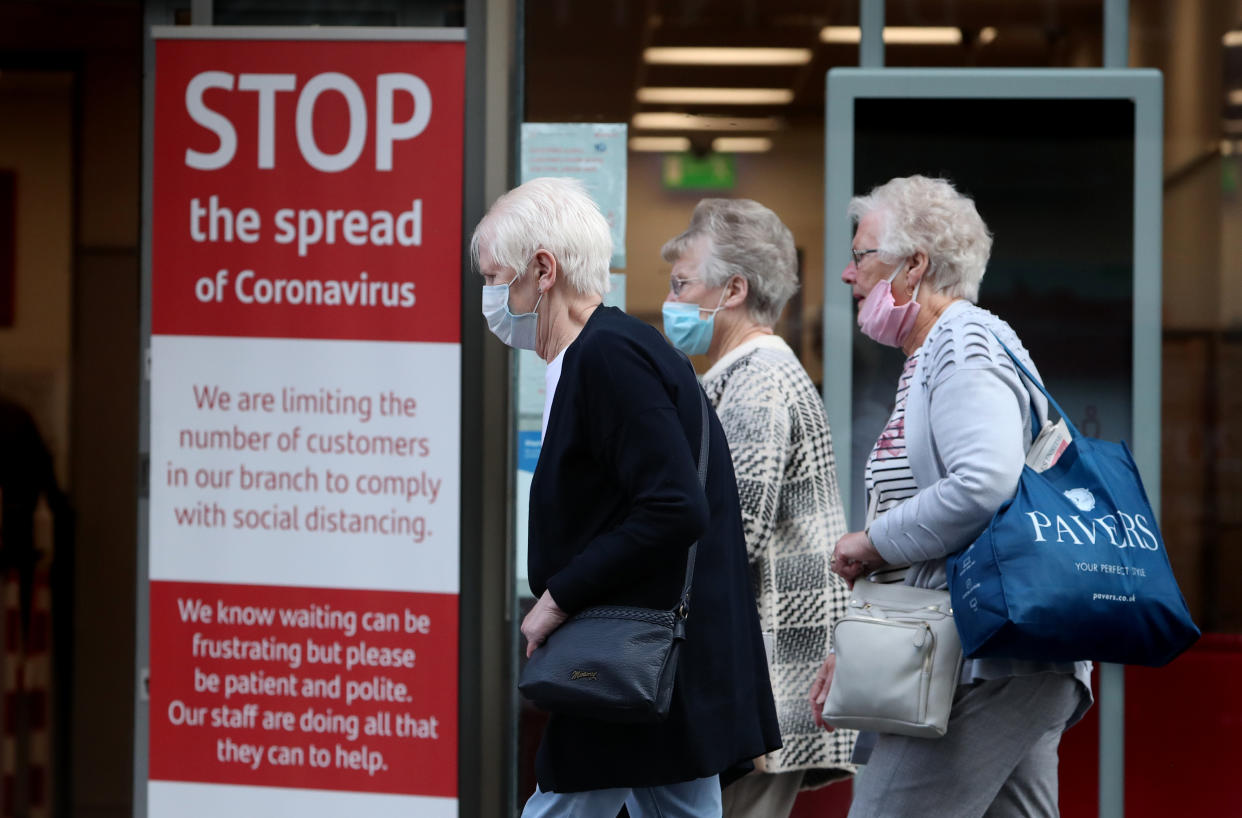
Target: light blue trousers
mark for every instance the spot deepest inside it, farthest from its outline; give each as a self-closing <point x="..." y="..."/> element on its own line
<point x="699" y="798"/>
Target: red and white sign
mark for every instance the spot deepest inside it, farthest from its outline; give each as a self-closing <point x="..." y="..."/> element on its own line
<point x="305" y="425"/>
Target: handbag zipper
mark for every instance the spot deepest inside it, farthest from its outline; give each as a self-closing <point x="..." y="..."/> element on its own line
<point x="925" y="687"/>
<point x="897" y="606"/>
<point x="901" y="614"/>
<point x="920" y="633"/>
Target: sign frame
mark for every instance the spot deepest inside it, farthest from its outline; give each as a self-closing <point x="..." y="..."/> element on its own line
<point x="155" y="32"/>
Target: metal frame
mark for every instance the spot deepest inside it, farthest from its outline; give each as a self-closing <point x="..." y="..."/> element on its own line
<point x="871" y="45"/>
<point x="1116" y="33"/>
<point x="154" y="14"/>
<point x="486" y="695"/>
<point x="1112" y="678"/>
<point x="1145" y="88"/>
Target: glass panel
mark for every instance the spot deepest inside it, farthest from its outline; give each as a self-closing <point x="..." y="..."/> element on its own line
<point x="1054" y="181"/>
<point x="1049" y="34"/>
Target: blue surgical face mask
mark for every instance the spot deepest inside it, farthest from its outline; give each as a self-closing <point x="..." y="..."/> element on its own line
<point x="683" y="326"/>
<point x="518" y="331"/>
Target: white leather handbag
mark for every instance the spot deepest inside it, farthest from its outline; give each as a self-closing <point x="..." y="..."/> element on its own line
<point x="898" y="661"/>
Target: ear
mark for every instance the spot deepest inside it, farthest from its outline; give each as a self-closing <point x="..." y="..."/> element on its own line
<point x="916" y="269"/>
<point x="546" y="269"/>
<point x="736" y="290"/>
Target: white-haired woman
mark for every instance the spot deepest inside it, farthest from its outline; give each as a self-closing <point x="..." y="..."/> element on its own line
<point x="615" y="505"/>
<point x="734" y="269"/>
<point x="951" y="453"/>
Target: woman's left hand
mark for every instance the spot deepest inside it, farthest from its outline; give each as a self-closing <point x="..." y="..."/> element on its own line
<point x="544" y="618"/>
<point x="819" y="690"/>
<point x="854" y="556"/>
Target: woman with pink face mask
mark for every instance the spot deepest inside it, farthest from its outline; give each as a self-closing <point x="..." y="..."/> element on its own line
<point x="949" y="456"/>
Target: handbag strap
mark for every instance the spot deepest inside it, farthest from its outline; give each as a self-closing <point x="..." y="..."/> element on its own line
<point x="1069" y="424"/>
<point x="683" y="607"/>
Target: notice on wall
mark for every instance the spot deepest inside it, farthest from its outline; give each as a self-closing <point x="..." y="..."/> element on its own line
<point x="594" y="152"/>
<point x="305" y="425"/>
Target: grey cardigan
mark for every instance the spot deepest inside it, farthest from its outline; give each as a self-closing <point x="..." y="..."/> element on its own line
<point x="968" y="428"/>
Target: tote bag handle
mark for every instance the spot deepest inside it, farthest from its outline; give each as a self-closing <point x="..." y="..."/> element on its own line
<point x="1069" y="424"/>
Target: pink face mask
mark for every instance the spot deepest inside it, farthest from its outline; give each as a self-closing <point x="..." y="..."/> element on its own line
<point x="881" y="320"/>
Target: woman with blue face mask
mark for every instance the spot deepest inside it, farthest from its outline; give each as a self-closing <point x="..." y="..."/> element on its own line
<point x="734" y="269"/>
<point x="693" y="306"/>
<point x="616" y="504"/>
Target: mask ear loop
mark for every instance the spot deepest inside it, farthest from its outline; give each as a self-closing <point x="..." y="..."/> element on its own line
<point x="535" y="309"/>
<point x="915" y="295"/>
<point x="538" y="301"/>
<point x="719" y="304"/>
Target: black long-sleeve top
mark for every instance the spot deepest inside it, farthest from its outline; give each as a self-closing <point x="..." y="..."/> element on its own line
<point x="615" y="505"/>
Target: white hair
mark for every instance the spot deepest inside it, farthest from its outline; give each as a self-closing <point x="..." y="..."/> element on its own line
<point x="919" y="213"/>
<point x="553" y="214"/>
<point x="745" y="239"/>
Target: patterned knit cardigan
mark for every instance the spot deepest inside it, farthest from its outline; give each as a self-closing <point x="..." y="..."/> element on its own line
<point x="791" y="511"/>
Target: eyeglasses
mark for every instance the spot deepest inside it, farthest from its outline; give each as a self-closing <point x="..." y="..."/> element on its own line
<point x="676" y="283"/>
<point x="859" y="255"/>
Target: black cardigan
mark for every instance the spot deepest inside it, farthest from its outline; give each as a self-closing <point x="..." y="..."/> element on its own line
<point x="614" y="506"/>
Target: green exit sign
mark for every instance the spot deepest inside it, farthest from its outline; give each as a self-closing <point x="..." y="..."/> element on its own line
<point x="686" y="171"/>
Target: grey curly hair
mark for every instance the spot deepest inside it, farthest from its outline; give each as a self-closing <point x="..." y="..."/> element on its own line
<point x="745" y="239"/>
<point x="921" y="213"/>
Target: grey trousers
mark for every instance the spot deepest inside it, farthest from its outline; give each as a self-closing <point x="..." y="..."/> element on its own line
<point x="998" y="758"/>
<point x="762" y="795"/>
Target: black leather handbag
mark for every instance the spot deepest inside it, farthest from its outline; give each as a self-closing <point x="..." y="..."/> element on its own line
<point x="614" y="663"/>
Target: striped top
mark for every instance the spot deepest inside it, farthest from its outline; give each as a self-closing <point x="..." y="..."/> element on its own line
<point x="889" y="481"/>
<point x="888" y="477"/>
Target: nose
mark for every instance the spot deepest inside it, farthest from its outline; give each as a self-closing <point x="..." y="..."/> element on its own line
<point x="850" y="274"/>
<point x="670" y="296"/>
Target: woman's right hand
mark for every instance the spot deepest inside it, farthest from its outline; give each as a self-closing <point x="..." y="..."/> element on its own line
<point x="819" y="690"/>
<point x="544" y="618"/>
<point x="854" y="557"/>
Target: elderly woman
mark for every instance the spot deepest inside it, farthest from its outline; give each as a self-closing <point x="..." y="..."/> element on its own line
<point x="615" y="505"/>
<point x="733" y="271"/>
<point x="951" y="454"/>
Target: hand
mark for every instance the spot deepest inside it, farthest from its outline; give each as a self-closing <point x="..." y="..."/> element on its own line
<point x="544" y="618"/>
<point x="854" y="556"/>
<point x="819" y="690"/>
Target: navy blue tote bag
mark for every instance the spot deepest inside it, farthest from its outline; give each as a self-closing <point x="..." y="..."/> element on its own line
<point x="1073" y="567"/>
